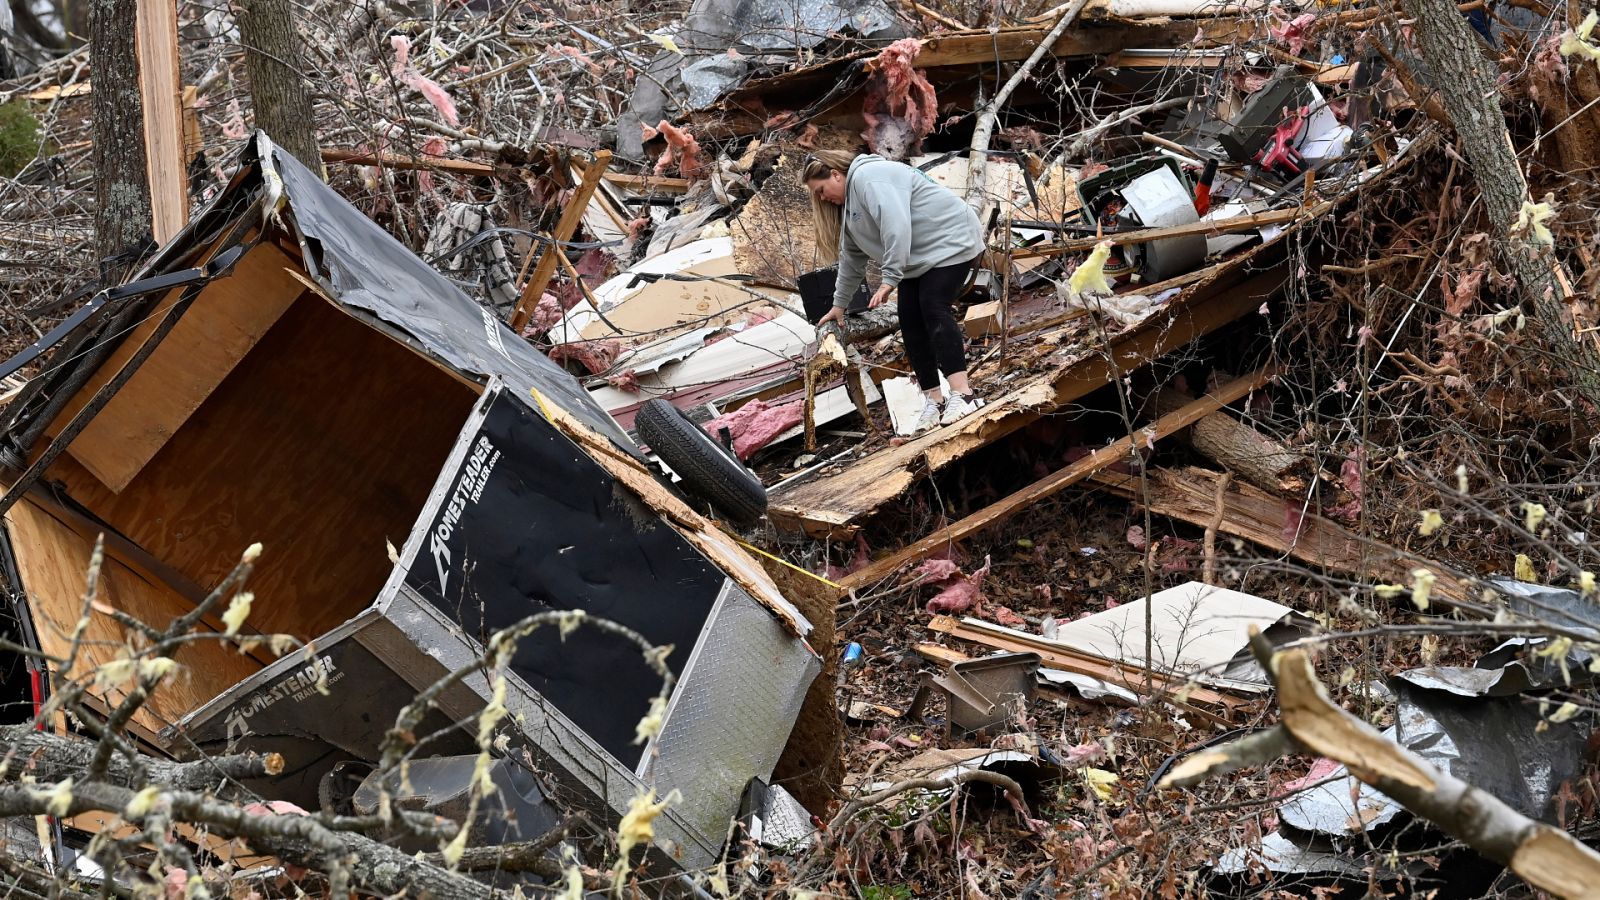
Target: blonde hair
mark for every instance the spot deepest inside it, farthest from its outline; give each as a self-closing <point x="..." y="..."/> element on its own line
<point x="827" y="218"/>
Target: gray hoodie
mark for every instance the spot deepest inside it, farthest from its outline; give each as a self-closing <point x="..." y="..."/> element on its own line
<point x="882" y="201"/>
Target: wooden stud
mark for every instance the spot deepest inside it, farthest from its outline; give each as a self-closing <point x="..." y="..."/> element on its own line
<point x="160" y="90"/>
<point x="565" y="226"/>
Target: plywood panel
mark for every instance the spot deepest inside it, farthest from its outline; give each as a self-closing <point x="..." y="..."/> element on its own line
<point x="321" y="444"/>
<point x="54" y="560"/>
<point x="226" y="320"/>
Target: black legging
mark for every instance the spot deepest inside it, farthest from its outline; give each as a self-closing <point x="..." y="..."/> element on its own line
<point x="934" y="342"/>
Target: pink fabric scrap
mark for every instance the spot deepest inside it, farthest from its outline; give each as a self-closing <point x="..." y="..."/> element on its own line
<point x="900" y="107"/>
<point x="756" y="424"/>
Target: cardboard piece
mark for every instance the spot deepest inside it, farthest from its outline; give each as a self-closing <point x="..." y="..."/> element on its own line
<point x="1199" y="631"/>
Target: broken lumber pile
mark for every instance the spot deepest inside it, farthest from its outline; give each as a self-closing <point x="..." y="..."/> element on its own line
<point x="1059" y="480"/>
<point x="1055" y="655"/>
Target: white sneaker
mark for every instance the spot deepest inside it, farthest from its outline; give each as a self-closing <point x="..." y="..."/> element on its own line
<point x="958" y="408"/>
<point x="928" y="419"/>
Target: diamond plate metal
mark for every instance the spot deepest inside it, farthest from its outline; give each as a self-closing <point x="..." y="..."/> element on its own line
<point x="731" y="716"/>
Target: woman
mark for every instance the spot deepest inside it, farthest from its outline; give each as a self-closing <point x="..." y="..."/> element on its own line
<point x="925" y="240"/>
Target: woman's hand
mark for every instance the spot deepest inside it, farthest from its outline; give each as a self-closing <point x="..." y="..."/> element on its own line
<point x="834" y="314"/>
<point x="881" y="296"/>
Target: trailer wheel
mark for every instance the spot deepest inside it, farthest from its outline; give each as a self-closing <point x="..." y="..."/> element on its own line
<point x="708" y="470"/>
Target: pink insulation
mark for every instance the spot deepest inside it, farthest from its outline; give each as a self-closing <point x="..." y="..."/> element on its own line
<point x="755" y="424"/>
<point x="682" y="149"/>
<point x="596" y="356"/>
<point x="900" y="107"/>
<point x="411" y="77"/>
<point x="961" y="593"/>
<point x="545" y="316"/>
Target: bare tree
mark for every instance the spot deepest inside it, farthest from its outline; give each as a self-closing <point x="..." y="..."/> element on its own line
<point x="122" y="185"/>
<point x="1467" y="79"/>
<point x="277" y="77"/>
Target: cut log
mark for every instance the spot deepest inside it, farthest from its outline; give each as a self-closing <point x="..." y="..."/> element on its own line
<point x="1280" y="525"/>
<point x="1237" y="447"/>
<point x="871" y="324"/>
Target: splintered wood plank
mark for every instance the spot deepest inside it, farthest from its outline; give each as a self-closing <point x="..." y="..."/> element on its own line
<point x="225" y="322"/>
<point x="160" y="90"/>
<point x="1278" y="524"/>
<point x="1058" y="481"/>
<point x="833" y="502"/>
<point x="53" y="561"/>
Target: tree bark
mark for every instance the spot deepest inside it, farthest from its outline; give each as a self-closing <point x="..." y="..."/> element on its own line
<point x="277" y="82"/>
<point x="121" y="184"/>
<point x="1466" y="79"/>
<point x="1236" y="446"/>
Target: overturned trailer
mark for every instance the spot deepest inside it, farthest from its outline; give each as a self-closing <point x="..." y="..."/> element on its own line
<point x="285" y="372"/>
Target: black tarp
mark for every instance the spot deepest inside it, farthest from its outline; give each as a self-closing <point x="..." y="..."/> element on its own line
<point x="526" y="522"/>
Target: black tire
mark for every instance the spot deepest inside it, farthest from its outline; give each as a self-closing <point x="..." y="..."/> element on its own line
<point x="708" y="470"/>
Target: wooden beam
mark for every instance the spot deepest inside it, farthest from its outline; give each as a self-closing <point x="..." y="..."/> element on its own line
<point x="1283" y="526"/>
<point x="398" y="161"/>
<point x="565" y="226"/>
<point x="649" y="184"/>
<point x="1209" y="229"/>
<point x="1056" y="655"/>
<point x="1059" y="480"/>
<point x="949" y="656"/>
<point x="156" y="42"/>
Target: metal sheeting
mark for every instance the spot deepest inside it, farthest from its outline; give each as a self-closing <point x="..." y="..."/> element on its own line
<point x="742" y="691"/>
<point x="522" y="521"/>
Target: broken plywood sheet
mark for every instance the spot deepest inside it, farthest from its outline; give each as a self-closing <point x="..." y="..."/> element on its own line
<point x="774" y="239"/>
<point x="650" y="310"/>
<point x="835" y="499"/>
<point x="1196" y="630"/>
<point x="226" y="321"/>
<point x="53" y="561"/>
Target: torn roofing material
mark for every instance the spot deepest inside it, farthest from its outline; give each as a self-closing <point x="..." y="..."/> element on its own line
<point x="360" y="265"/>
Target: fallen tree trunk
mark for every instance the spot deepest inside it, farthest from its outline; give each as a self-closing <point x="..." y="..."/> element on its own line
<point x="1237" y="447"/>
<point x="1547" y="858"/>
<point x="870" y="324"/>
